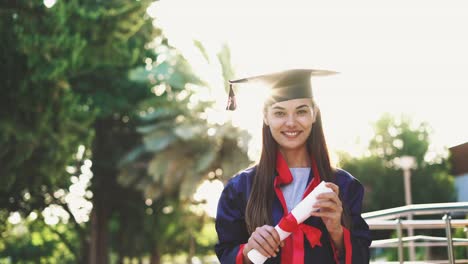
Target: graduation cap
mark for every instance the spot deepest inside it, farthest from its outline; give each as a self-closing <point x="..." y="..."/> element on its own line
<point x="285" y="85"/>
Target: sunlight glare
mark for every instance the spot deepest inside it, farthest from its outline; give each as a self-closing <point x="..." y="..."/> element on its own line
<point x="32" y="216"/>
<point x="250" y="98"/>
<point x="49" y="3"/>
<point x="414" y="65"/>
<point x="209" y="191"/>
<point x="14" y="218"/>
<point x="80" y="152"/>
<point x="373" y="79"/>
<point x="151" y="10"/>
<point x="53" y="214"/>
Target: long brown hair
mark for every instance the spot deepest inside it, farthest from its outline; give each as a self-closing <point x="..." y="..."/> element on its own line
<point x="259" y="206"/>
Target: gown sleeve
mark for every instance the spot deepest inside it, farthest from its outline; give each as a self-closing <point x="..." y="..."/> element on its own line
<point x="230" y="225"/>
<point x="357" y="238"/>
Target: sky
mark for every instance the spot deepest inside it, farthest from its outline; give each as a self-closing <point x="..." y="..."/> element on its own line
<point x="400" y="57"/>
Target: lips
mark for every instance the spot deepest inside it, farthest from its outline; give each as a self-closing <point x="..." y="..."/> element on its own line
<point x="291" y="134"/>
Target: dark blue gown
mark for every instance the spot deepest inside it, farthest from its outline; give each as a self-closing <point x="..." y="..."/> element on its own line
<point x="232" y="231"/>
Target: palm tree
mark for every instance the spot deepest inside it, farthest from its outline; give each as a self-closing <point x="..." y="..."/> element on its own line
<point x="180" y="149"/>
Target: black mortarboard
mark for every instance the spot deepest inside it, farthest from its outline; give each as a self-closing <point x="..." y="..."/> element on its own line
<point x="285" y="85"/>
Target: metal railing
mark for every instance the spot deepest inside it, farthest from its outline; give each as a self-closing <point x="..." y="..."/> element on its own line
<point x="389" y="219"/>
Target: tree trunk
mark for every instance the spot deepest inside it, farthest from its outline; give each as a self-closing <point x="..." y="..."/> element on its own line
<point x="84" y="248"/>
<point x="155" y="256"/>
<point x="191" y="253"/>
<point x="98" y="245"/>
<point x="113" y="139"/>
<point x="120" y="238"/>
<point x="103" y="184"/>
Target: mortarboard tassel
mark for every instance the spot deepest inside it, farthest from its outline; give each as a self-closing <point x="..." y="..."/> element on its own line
<point x="231" y="104"/>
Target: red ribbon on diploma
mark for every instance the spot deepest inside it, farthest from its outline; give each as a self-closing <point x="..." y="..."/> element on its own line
<point x="312" y="234"/>
<point x="289" y="224"/>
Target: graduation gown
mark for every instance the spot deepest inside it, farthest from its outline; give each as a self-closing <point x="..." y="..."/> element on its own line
<point x="311" y="242"/>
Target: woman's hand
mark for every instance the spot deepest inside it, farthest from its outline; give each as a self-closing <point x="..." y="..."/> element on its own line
<point x="330" y="210"/>
<point x="265" y="240"/>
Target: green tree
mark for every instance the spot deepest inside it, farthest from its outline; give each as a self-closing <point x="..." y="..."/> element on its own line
<point x="33" y="241"/>
<point x="431" y="181"/>
<point x="179" y="149"/>
<point x="42" y="121"/>
<point x="66" y="84"/>
<point x="68" y="81"/>
<point x="383" y="179"/>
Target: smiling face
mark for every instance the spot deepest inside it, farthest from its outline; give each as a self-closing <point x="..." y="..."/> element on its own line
<point x="290" y="122"/>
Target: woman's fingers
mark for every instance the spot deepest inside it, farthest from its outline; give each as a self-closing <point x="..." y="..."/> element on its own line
<point x="328" y="204"/>
<point x="255" y="244"/>
<point x="326" y="214"/>
<point x="272" y="237"/>
<point x="273" y="233"/>
<point x="329" y="207"/>
<point x="266" y="240"/>
<point x="329" y="196"/>
<point x="334" y="187"/>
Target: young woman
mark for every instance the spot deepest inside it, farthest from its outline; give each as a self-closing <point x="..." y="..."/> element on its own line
<point x="293" y="161"/>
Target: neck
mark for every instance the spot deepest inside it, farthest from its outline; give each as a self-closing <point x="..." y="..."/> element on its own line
<point x="296" y="158"/>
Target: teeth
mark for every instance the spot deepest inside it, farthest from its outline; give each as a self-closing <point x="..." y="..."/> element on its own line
<point x="291" y="134"/>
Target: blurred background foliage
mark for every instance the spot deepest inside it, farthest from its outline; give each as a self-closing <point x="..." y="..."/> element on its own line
<point x="96" y="82"/>
<point x="395" y="137"/>
<point x="105" y="139"/>
<point x="378" y="171"/>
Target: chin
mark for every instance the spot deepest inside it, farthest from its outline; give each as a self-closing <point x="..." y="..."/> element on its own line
<point x="292" y="146"/>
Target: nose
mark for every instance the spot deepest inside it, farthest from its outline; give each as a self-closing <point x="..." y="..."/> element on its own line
<point x="291" y="121"/>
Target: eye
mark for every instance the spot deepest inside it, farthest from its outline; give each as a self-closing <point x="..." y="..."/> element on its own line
<point x="279" y="114"/>
<point x="302" y="112"/>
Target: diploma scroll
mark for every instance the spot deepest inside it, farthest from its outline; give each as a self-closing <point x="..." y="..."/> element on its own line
<point x="288" y="223"/>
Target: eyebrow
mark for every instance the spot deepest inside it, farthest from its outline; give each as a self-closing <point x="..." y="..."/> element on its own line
<point x="282" y="108"/>
<point x="302" y="106"/>
<point x="278" y="107"/>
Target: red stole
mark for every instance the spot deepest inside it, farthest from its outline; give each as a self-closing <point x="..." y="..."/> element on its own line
<point x="293" y="250"/>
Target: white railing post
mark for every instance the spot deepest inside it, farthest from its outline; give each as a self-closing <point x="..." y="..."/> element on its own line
<point x="448" y="230"/>
<point x="391" y="219"/>
<point x="400" y="241"/>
